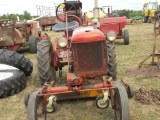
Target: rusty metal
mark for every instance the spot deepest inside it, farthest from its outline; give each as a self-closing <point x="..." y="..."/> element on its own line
<point x="90" y="62"/>
<point x="49" y="18"/>
<point x="154" y="66"/>
<point x="14" y="35"/>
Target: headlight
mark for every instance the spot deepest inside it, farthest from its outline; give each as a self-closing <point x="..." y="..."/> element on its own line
<point x="62" y="42"/>
<point x="111" y="35"/>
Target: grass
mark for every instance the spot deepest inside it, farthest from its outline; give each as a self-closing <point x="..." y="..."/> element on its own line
<point x="141" y="43"/>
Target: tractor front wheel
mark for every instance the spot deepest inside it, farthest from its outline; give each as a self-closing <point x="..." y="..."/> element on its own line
<point x="35" y="109"/>
<point x="33" y="41"/>
<point x="47" y="73"/>
<point x="126" y="37"/>
<point x="121" y="104"/>
<point x="112" y="65"/>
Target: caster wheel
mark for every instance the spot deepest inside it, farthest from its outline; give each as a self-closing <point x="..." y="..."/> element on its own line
<point x="52" y="108"/>
<point x="100" y="103"/>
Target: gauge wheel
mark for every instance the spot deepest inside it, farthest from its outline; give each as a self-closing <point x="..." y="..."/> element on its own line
<point x="121" y="104"/>
<point x="26" y="98"/>
<point x="35" y="107"/>
<point x="100" y="103"/>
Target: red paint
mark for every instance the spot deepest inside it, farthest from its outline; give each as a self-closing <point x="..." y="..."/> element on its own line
<point x="14" y="47"/>
<point x="87" y="34"/>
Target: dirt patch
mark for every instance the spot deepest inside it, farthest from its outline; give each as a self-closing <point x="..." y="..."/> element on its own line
<point x="147" y="97"/>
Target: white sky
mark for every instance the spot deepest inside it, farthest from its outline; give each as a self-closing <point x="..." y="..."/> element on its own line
<point x="18" y="6"/>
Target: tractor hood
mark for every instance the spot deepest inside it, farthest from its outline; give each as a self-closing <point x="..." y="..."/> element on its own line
<point x="87" y="34"/>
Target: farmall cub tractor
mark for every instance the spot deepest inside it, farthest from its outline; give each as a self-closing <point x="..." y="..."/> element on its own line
<point x="91" y="68"/>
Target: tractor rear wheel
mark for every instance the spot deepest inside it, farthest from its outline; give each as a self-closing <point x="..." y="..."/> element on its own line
<point x="44" y="57"/>
<point x="35" y="107"/>
<point x="33" y="41"/>
<point x="112" y="65"/>
<point x="126" y="37"/>
<point x="11" y="82"/>
<point x="16" y="60"/>
<point x="121" y="105"/>
<point x="145" y="19"/>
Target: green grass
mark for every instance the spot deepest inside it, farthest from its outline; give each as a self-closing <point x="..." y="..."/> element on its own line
<point x="128" y="56"/>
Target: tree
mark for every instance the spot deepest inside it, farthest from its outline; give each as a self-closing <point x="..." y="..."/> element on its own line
<point x="27" y="15"/>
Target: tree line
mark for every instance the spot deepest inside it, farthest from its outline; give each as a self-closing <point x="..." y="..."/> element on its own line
<point x="27" y="16"/>
<point x="128" y="13"/>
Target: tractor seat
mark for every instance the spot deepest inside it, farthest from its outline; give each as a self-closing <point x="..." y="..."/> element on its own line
<point x="62" y="26"/>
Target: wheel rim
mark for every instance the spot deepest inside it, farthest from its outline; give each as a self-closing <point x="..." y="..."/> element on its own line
<point x="3" y="74"/>
<point x="101" y="103"/>
<point x="40" y="113"/>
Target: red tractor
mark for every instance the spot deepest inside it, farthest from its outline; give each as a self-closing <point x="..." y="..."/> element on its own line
<point x="16" y="35"/>
<point x="91" y="63"/>
<point x="109" y="23"/>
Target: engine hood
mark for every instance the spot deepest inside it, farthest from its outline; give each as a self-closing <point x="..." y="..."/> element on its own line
<point x="87" y="34"/>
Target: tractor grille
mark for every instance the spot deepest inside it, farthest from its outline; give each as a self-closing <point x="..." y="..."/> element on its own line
<point x="89" y="58"/>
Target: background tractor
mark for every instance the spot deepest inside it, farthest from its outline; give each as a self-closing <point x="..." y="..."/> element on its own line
<point x="149" y="11"/>
<point x="109" y="23"/>
<point x="21" y="34"/>
<point x="91" y="63"/>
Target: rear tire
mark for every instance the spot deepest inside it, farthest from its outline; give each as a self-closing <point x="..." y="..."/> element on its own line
<point x="33" y="41"/>
<point x="145" y="19"/>
<point x="121" y="104"/>
<point x="16" y="60"/>
<point x="13" y="84"/>
<point x="44" y="57"/>
<point x="112" y="65"/>
<point x="126" y="37"/>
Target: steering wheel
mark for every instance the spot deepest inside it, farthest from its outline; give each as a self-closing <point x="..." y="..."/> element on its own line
<point x="61" y="11"/>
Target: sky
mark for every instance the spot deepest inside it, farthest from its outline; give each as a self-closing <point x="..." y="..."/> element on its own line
<point x="18" y="6"/>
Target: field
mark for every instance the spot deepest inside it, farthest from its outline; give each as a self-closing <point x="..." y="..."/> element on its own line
<point x="141" y="43"/>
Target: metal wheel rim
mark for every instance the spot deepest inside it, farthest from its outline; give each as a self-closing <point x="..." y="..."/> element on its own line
<point x="101" y="104"/>
<point x="40" y="113"/>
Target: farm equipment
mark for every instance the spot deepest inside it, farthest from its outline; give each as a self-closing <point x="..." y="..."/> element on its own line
<point x="148" y="69"/>
<point x="16" y="35"/>
<point x="110" y="24"/>
<point x="149" y="11"/>
<point x="91" y="68"/>
<point x="49" y="18"/>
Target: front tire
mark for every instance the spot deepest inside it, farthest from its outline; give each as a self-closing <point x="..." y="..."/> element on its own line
<point x="45" y="54"/>
<point x="112" y="65"/>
